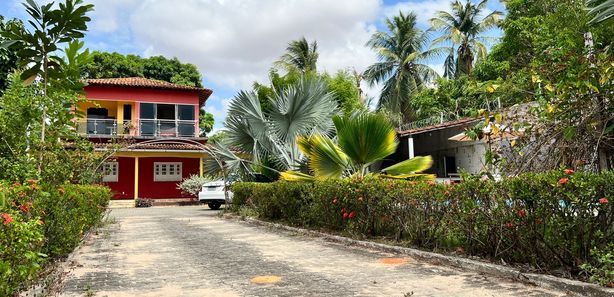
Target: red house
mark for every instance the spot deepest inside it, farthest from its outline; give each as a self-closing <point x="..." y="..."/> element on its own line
<point x="151" y="129"/>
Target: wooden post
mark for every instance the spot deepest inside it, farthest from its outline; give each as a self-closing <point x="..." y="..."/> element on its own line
<point x="201" y="166"/>
<point x="136" y="178"/>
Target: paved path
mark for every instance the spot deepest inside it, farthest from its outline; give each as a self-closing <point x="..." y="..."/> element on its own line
<point x="190" y="251"/>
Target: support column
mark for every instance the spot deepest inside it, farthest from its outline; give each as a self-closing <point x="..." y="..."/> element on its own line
<point x="201" y="166"/>
<point x="410" y="144"/>
<point x="136" y="178"/>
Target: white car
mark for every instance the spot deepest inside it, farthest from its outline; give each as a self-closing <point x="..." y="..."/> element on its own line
<point x="212" y="194"/>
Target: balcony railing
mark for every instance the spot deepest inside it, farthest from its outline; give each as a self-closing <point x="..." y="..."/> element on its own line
<point x="152" y="128"/>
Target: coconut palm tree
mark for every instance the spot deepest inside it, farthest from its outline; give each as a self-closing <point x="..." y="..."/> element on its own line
<point x="401" y="52"/>
<point x="463" y="28"/>
<point x="268" y="138"/>
<point x="361" y="140"/>
<point x="600" y="11"/>
<point x="300" y="55"/>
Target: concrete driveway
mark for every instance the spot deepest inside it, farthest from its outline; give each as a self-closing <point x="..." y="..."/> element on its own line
<point x="190" y="251"/>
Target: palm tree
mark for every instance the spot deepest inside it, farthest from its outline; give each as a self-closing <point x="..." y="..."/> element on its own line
<point x="268" y="138"/>
<point x="362" y="139"/>
<point x="300" y="55"/>
<point x="463" y="28"/>
<point x="400" y="51"/>
<point x="600" y="11"/>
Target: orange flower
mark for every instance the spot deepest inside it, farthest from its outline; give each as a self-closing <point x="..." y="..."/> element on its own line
<point x="32" y="181"/>
<point x="7" y="218"/>
<point x="24" y="208"/>
<point x="61" y="190"/>
<point x="563" y="180"/>
<point x="41" y="222"/>
<point x="568" y="171"/>
<point x="603" y="200"/>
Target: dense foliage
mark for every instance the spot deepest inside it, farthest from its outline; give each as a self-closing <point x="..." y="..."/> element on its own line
<point x="106" y="65"/>
<point x="42" y="223"/>
<point x="555" y="220"/>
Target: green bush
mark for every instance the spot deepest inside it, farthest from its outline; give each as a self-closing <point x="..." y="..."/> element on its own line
<point x="39" y="223"/>
<point x="550" y="220"/>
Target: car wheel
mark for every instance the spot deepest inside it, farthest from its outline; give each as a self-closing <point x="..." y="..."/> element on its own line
<point x="214" y="205"/>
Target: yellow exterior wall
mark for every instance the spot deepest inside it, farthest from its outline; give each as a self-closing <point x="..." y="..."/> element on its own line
<point x="178" y="154"/>
<point x="111" y="106"/>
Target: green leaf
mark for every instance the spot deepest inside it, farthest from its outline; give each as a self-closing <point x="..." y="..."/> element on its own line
<point x="410" y="166"/>
<point x="326" y="159"/>
<point x="366" y="137"/>
<point x="296" y="176"/>
<point x="569" y="133"/>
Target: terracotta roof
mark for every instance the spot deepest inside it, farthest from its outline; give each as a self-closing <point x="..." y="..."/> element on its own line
<point x="441" y="126"/>
<point x="156" y="146"/>
<point x="141" y="82"/>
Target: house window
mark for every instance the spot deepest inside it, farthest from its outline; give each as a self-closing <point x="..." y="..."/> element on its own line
<point x="167" y="171"/>
<point x="110" y="171"/>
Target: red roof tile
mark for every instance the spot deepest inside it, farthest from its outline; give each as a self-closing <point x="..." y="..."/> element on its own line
<point x="141" y="82"/>
<point x="444" y="125"/>
<point x="155" y="146"/>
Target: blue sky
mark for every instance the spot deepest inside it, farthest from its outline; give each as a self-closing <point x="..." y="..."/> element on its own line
<point x="234" y="42"/>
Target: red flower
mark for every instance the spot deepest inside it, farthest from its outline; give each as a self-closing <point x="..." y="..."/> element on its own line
<point x="17" y="184"/>
<point x="334" y="201"/>
<point x="345" y="215"/>
<point x="522" y="213"/>
<point x="563" y="180"/>
<point x="351" y="215"/>
<point x="431" y="183"/>
<point x="343" y="210"/>
<point x="61" y="190"/>
<point x="603" y="200"/>
<point x="568" y="171"/>
<point x="509" y="225"/>
<point x="7" y="218"/>
<point x="24" y="208"/>
<point x="32" y="181"/>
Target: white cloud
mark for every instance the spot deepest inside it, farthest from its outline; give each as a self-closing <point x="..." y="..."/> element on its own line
<point x="424" y="9"/>
<point x="219" y="109"/>
<point x="235" y="42"/>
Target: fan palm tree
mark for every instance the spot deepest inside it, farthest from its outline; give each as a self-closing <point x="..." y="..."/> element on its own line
<point x="463" y="28"/>
<point x="300" y="55"/>
<point x="361" y="140"/>
<point x="260" y="137"/>
<point x="401" y="51"/>
<point x="600" y="11"/>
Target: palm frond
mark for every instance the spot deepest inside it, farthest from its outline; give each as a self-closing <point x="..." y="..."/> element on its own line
<point x="365" y="138"/>
<point x="410" y="166"/>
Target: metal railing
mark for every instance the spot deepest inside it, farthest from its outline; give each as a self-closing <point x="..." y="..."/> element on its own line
<point x="434" y="120"/>
<point x="167" y="128"/>
<point x="103" y="127"/>
<point x="153" y="128"/>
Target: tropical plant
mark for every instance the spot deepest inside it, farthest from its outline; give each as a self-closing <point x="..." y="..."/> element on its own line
<point x="362" y="140"/>
<point x="463" y="28"/>
<point x="600" y="10"/>
<point x="401" y="52"/>
<point x="36" y="47"/>
<point x="260" y="137"/>
<point x="193" y="184"/>
<point x="300" y="55"/>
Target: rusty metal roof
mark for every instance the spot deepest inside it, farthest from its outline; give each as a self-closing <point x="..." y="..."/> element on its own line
<point x="440" y="126"/>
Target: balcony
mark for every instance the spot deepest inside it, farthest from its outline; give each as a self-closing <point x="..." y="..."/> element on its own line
<point x="145" y="128"/>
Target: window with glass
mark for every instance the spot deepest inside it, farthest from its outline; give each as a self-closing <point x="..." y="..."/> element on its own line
<point x="167" y="171"/>
<point x="110" y="171"/>
<point x="159" y="119"/>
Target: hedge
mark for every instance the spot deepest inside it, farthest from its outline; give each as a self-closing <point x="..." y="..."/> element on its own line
<point x="40" y="223"/>
<point x="555" y="220"/>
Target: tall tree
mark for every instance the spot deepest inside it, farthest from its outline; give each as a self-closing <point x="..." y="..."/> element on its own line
<point x="401" y="51"/>
<point x="463" y="28"/>
<point x="36" y="47"/>
<point x="8" y="58"/>
<point x="106" y="65"/>
<point x="300" y="55"/>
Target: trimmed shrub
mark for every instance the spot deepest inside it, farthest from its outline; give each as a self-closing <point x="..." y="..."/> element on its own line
<point x="39" y="223"/>
<point x="551" y="220"/>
